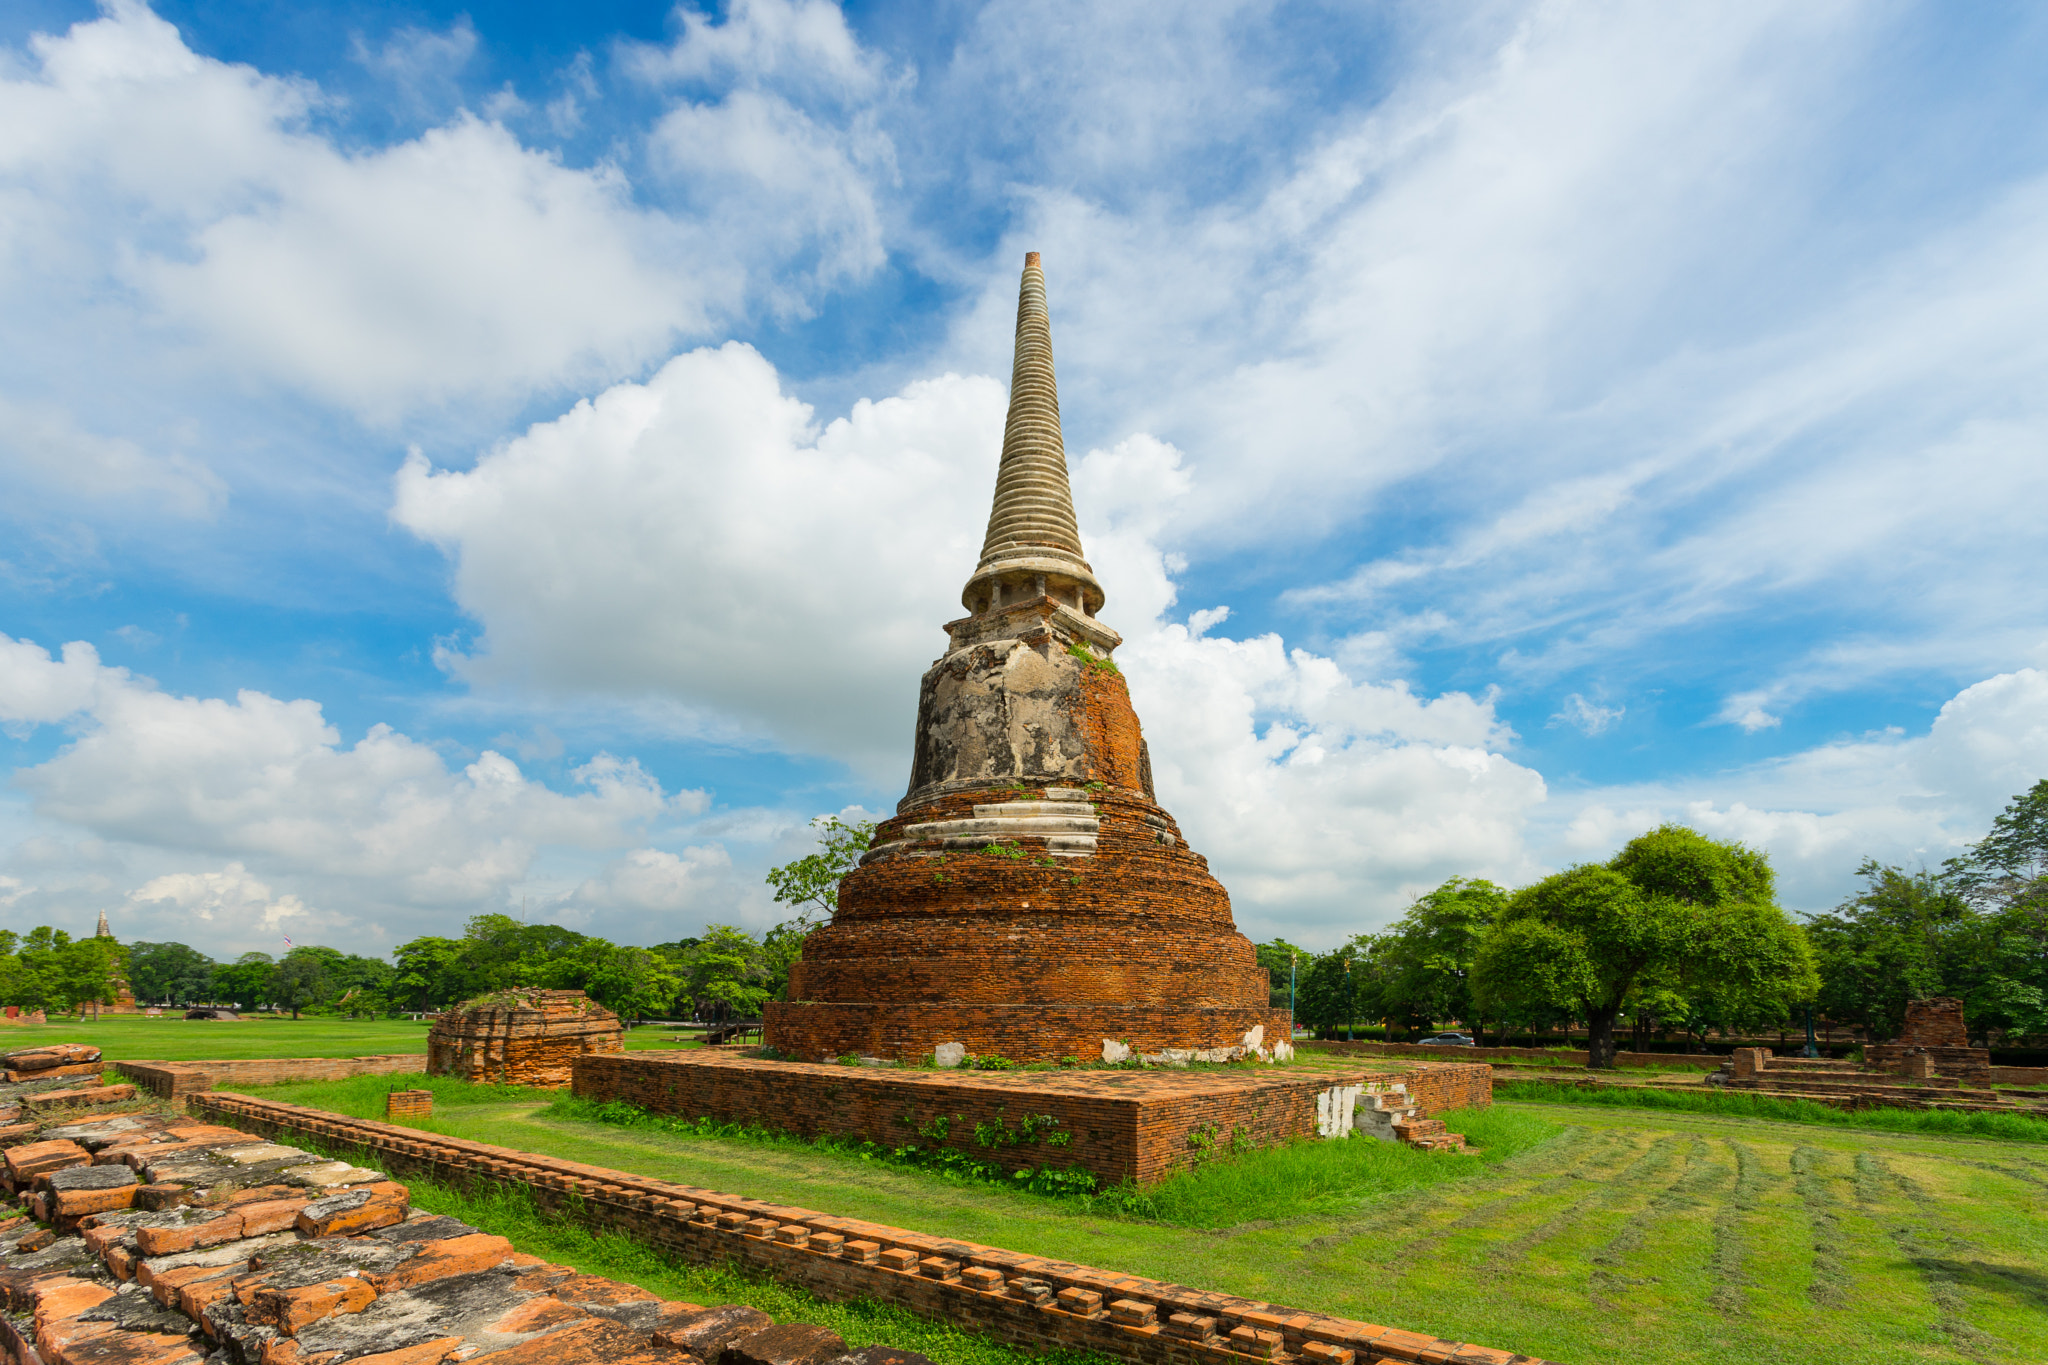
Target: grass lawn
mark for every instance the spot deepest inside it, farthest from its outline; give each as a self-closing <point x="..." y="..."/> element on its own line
<point x="1581" y="1233"/>
<point x="134" y="1037"/>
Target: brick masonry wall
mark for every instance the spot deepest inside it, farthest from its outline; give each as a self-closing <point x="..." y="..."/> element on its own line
<point x="977" y="1288"/>
<point x="1543" y="1056"/>
<point x="532" y="1039"/>
<point x="1140" y="1125"/>
<point x="175" y="1080"/>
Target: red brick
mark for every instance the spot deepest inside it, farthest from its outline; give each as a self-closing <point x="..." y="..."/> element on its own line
<point x="26" y="1162"/>
<point x="190" y="1237"/>
<point x="289" y="1310"/>
<point x="440" y="1260"/>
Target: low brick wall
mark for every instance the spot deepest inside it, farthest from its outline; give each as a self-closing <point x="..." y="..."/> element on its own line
<point x="176" y="1080"/>
<point x="1140" y="1125"/>
<point x="1534" y="1055"/>
<point x="976" y="1288"/>
<point x="2019" y="1075"/>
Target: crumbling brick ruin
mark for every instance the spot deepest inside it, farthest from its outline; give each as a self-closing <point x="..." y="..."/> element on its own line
<point x="57" y="1078"/>
<point x="1934" y="1030"/>
<point x="524" y="1037"/>
<point x="1930" y="1066"/>
<point x="147" y="1241"/>
<point x="1030" y="898"/>
<point x="1029" y="1301"/>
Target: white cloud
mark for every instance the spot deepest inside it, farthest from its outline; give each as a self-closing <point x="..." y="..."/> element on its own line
<point x="806" y="43"/>
<point x="42" y="445"/>
<point x="1588" y="718"/>
<point x="382" y="826"/>
<point x="150" y="187"/>
<point x="1820" y="812"/>
<point x="695" y="886"/>
<point x="230" y="895"/>
<point x="696" y="545"/>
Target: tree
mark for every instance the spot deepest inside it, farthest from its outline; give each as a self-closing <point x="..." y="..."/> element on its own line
<point x="245" y="981"/>
<point x="1338" y="988"/>
<point x="83" y="972"/>
<point x="1905" y="936"/>
<point x="727" y="974"/>
<point x="1423" y="964"/>
<point x="2010" y="864"/>
<point x="1673" y="906"/>
<point x="300" y="980"/>
<point x="810" y="884"/>
<point x="1284" y="962"/>
<point x="426" y="971"/>
<point x="170" y="973"/>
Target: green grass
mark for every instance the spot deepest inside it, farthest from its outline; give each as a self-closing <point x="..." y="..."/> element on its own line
<point x="1629" y="1235"/>
<point x="134" y="1037"/>
<point x="2010" y="1127"/>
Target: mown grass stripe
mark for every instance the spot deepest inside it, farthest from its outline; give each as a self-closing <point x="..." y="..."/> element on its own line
<point x="1830" y="1282"/>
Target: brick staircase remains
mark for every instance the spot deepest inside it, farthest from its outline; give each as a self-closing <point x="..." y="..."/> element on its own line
<point x="1384" y="1111"/>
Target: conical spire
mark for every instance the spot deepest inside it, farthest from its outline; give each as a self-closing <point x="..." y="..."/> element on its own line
<point x="1033" y="542"/>
<point x="104" y="931"/>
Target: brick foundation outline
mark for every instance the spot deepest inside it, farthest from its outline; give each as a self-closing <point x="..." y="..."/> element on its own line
<point x="1541" y="1056"/>
<point x="845" y="1258"/>
<point x="176" y="1080"/>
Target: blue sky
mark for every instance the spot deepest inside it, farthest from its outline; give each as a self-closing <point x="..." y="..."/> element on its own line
<point x="460" y="460"/>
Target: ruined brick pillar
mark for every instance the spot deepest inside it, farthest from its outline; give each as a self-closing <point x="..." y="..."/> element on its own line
<point x="1030" y="898"/>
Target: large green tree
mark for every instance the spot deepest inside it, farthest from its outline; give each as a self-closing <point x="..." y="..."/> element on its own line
<point x="300" y="979"/>
<point x="169" y="973"/>
<point x="1673" y="906"/>
<point x="245" y="981"/>
<point x="1423" y="963"/>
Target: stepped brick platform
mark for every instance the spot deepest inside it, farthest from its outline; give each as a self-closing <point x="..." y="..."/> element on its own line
<point x="1120" y="1125"/>
<point x="1030" y="899"/>
<point x="176" y="1080"/>
<point x="1030" y="1301"/>
<point x="1846" y="1085"/>
<point x="255" y="1253"/>
<point x="526" y="1037"/>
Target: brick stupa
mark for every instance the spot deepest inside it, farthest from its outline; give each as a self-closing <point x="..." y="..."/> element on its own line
<point x="1030" y="898"/>
<point x="521" y="1037"/>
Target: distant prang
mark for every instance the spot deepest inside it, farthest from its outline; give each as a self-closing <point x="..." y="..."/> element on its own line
<point x="1030" y="899"/>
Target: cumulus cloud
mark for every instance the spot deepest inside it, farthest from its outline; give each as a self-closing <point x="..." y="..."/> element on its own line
<point x="199" y="199"/>
<point x="697" y="545"/>
<point x="384" y="825"/>
<point x="1914" y="800"/>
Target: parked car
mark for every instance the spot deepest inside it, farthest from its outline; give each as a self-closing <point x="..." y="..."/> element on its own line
<point x="1445" y="1040"/>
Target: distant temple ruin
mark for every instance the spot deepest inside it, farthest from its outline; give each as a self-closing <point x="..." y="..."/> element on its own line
<point x="1030" y="899"/>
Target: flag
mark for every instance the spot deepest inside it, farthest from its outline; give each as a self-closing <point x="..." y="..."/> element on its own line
<point x="287" y="940"/>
